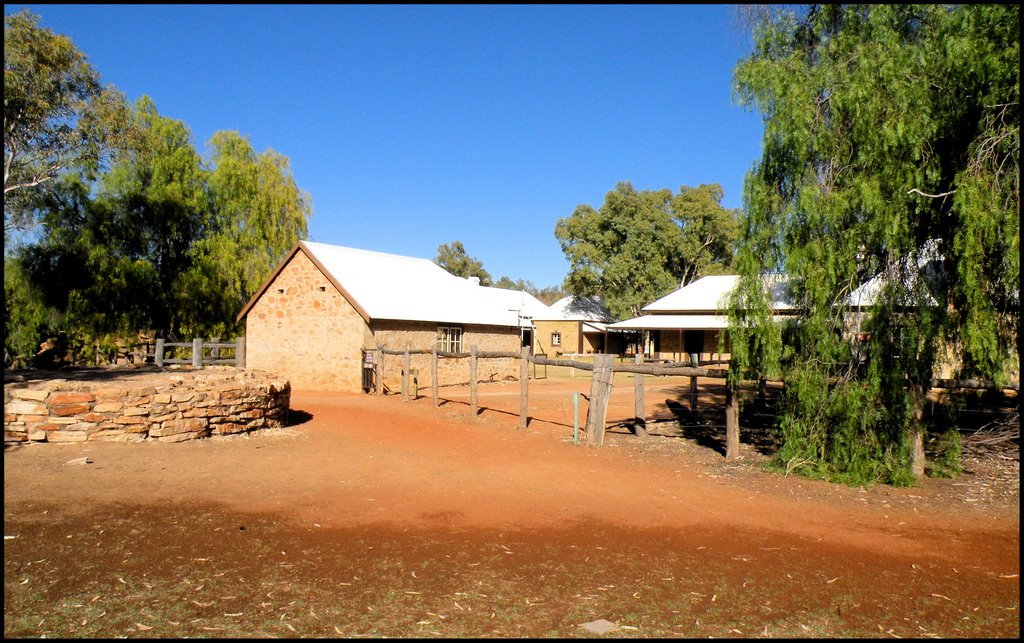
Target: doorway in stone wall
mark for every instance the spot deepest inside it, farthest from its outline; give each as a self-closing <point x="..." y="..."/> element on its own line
<point x="526" y="339"/>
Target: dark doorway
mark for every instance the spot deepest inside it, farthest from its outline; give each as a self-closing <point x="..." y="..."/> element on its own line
<point x="694" y="342"/>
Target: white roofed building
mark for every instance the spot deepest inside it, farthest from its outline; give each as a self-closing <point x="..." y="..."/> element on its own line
<point x="324" y="305"/>
<point x="692" y="319"/>
<point x="573" y="326"/>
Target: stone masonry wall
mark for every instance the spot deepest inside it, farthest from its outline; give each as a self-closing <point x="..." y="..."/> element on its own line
<point x="673" y="345"/>
<point x="304" y="328"/>
<point x="166" y="406"/>
<point x="423" y="335"/>
<point x="570" y="332"/>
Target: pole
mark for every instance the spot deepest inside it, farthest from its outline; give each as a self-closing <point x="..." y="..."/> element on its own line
<point x="524" y="386"/>
<point x="575" y="417"/>
<point x="638" y="393"/>
<point x="472" y="380"/>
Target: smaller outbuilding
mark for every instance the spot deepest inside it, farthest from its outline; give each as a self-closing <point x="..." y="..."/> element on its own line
<point x="573" y="326"/>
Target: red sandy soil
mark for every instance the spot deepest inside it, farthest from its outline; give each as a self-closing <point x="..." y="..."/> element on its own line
<point x="661" y="536"/>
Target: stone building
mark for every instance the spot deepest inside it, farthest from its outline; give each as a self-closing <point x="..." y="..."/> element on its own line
<point x="325" y="306"/>
<point x="692" y="319"/>
<point x="573" y="326"/>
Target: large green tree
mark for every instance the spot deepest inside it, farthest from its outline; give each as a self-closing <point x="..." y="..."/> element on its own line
<point x="641" y="245"/>
<point x="890" y="157"/>
<point x="453" y="258"/>
<point x="256" y="214"/>
<point x="163" y="241"/>
<point x="57" y="115"/>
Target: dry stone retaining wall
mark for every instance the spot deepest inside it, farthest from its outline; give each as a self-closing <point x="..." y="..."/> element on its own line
<point x="166" y="406"/>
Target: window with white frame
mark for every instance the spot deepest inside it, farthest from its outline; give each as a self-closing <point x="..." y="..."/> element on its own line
<point x="449" y="339"/>
<point x="556" y="339"/>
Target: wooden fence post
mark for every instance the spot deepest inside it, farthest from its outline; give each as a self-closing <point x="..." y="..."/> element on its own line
<point x="638" y="389"/>
<point x="405" y="375"/>
<point x="158" y="357"/>
<point x="215" y="350"/>
<point x="378" y="369"/>
<point x="433" y="371"/>
<point x="694" y="362"/>
<point x="600" y="391"/>
<point x="524" y="386"/>
<point x="197" y="352"/>
<point x="240" y="352"/>
<point x="472" y="380"/>
<point x="732" y="423"/>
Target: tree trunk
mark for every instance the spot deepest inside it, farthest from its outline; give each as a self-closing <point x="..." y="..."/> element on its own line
<point x="917" y="429"/>
<point x="732" y="423"/>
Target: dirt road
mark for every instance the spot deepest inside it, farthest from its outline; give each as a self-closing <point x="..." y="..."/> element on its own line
<point x="426" y="507"/>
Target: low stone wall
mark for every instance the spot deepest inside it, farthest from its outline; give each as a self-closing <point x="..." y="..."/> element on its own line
<point x="141" y="404"/>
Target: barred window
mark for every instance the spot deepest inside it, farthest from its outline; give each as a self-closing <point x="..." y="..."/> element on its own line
<point x="449" y="339"/>
<point x="556" y="339"/>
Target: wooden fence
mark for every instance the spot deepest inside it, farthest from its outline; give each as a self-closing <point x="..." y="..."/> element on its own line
<point x="202" y="352"/>
<point x="603" y="368"/>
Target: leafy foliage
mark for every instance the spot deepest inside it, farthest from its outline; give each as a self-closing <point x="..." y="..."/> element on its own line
<point x="454" y="259"/>
<point x="640" y="245"/>
<point x="57" y="115"/>
<point x="891" y="150"/>
<point x="162" y="242"/>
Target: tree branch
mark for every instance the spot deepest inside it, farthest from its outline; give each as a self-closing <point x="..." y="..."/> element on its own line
<point x="931" y="196"/>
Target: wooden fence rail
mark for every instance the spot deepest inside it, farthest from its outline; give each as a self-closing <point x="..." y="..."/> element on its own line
<point x="604" y="367"/>
<point x="203" y="352"/>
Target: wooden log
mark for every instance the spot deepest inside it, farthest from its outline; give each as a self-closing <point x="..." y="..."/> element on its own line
<point x="732" y="423"/>
<point x="652" y="369"/>
<point x="197" y="353"/>
<point x="433" y="373"/>
<point x="547" y="361"/>
<point x="240" y="352"/>
<point x="472" y="380"/>
<point x="600" y="391"/>
<point x="638" y="394"/>
<point x="158" y="357"/>
<point x="524" y="387"/>
<point x="974" y="384"/>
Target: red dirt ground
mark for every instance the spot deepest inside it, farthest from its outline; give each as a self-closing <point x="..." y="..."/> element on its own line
<point x="379" y="517"/>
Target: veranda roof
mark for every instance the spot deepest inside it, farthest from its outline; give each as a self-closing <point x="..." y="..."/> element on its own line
<point x="710" y="295"/>
<point x="673" y="322"/>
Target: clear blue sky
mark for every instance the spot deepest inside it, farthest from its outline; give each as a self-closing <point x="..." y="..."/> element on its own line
<point x="413" y="126"/>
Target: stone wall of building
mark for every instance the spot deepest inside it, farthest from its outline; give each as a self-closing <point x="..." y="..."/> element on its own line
<point x="305" y="329"/>
<point x="569" y="334"/>
<point x="672" y="345"/>
<point x="167" y="406"/>
<point x="394" y="335"/>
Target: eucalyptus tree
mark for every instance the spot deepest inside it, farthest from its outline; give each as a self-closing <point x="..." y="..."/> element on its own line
<point x="57" y="115"/>
<point x="890" y="172"/>
<point x="641" y="245"/>
<point x="453" y="258"/>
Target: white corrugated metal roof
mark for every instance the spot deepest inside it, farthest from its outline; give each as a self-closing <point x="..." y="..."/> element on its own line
<point x="389" y="286"/>
<point x="705" y="294"/>
<point x="672" y="322"/>
<point x="710" y="294"/>
<point x="572" y="308"/>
